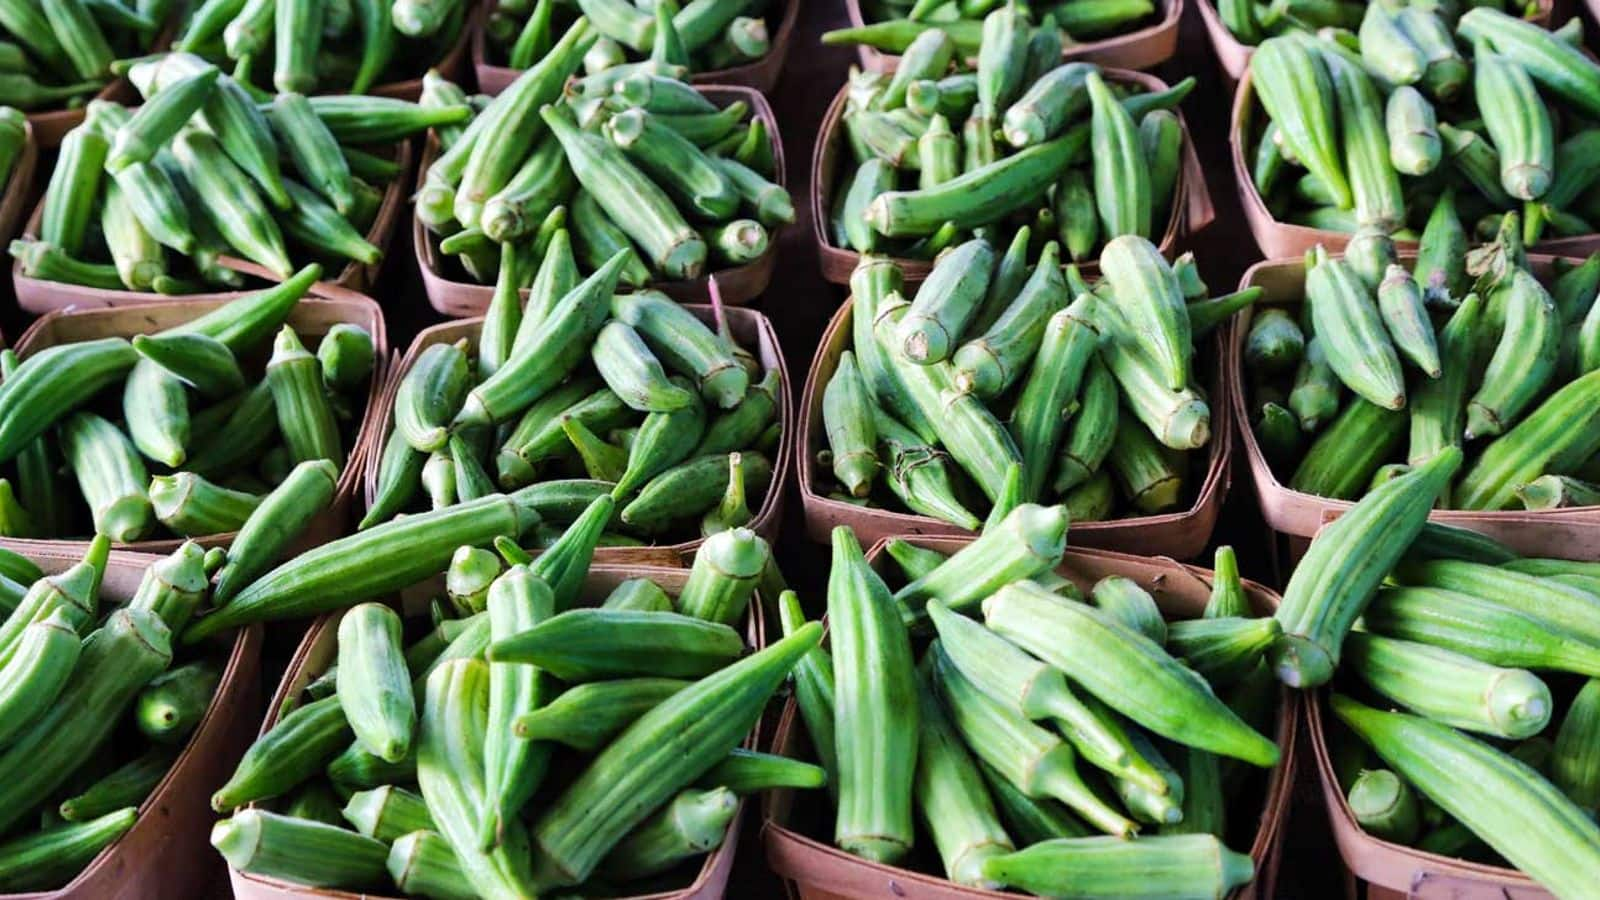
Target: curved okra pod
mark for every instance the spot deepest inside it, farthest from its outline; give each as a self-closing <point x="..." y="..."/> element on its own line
<point x="683" y="342"/>
<point x="1067" y="345"/>
<point x="370" y="563"/>
<point x="630" y="199"/>
<point x="634" y="373"/>
<point x="51" y="383"/>
<point x="1345" y="565"/>
<point x="1102" y="655"/>
<point x="200" y="361"/>
<point x="992" y="362"/>
<point x="552" y="351"/>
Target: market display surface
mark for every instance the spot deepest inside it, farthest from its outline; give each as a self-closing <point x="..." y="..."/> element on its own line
<point x="511" y="608"/>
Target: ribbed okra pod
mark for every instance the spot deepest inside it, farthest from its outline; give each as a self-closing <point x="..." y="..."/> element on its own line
<point x="1037" y="691"/>
<point x="1345" y="565"/>
<point x="1510" y="806"/>
<point x="514" y="766"/>
<point x="450" y="772"/>
<point x="1027" y="542"/>
<point x="951" y="796"/>
<point x="1451" y="688"/>
<point x="115" y="662"/>
<point x="385" y="813"/>
<point x="666" y="749"/>
<point x="1106" y="866"/>
<point x="1035" y="761"/>
<point x="1039" y="419"/>
<point x="1106" y="658"/>
<point x="874" y="682"/>
<point x="111" y="475"/>
<point x="349" y="570"/>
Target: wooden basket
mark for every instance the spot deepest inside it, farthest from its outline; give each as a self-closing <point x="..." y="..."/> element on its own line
<point x="751" y="329"/>
<point x="1390" y="871"/>
<point x="20" y="186"/>
<point x="1283" y="239"/>
<point x="161" y="855"/>
<point x="1191" y="200"/>
<point x="319" y="651"/>
<point x="38" y="296"/>
<point x="816" y="870"/>
<point x="1233" y="56"/>
<point x="1182" y="535"/>
<point x="1563" y="532"/>
<point x="1142" y="49"/>
<point x="761" y="75"/>
<point x="738" y="285"/>
<point x="311" y="319"/>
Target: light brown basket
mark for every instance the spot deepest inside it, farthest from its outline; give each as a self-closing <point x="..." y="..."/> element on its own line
<point x="36" y="295"/>
<point x="1390" y="871"/>
<point x="816" y="870"/>
<point x="1563" y="532"/>
<point x="750" y="328"/>
<point x="1282" y="239"/>
<point x="311" y="319"/>
<point x="1182" y="535"/>
<point x="159" y="856"/>
<point x="319" y="650"/>
<point x="1142" y="49"/>
<point x="1233" y="57"/>
<point x="738" y="286"/>
<point x="761" y="75"/>
<point x="1191" y="212"/>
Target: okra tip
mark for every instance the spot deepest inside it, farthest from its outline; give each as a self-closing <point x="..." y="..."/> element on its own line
<point x="232" y="839"/>
<point x="1301" y="663"/>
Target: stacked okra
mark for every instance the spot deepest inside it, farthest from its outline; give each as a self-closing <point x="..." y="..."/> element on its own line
<point x="701" y="36"/>
<point x="628" y="157"/>
<point x="56" y="53"/>
<point x="894" y="25"/>
<point x="93" y="709"/>
<point x="577" y="385"/>
<point x="199" y="170"/>
<point x="1023" y="142"/>
<point x="1386" y="122"/>
<point x="524" y="741"/>
<point x="1252" y="21"/>
<point x="1035" y="385"/>
<point x="1450" y="623"/>
<point x="217" y="440"/>
<point x="1041" y="729"/>
<point x="1380" y="368"/>
<point x="328" y="46"/>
